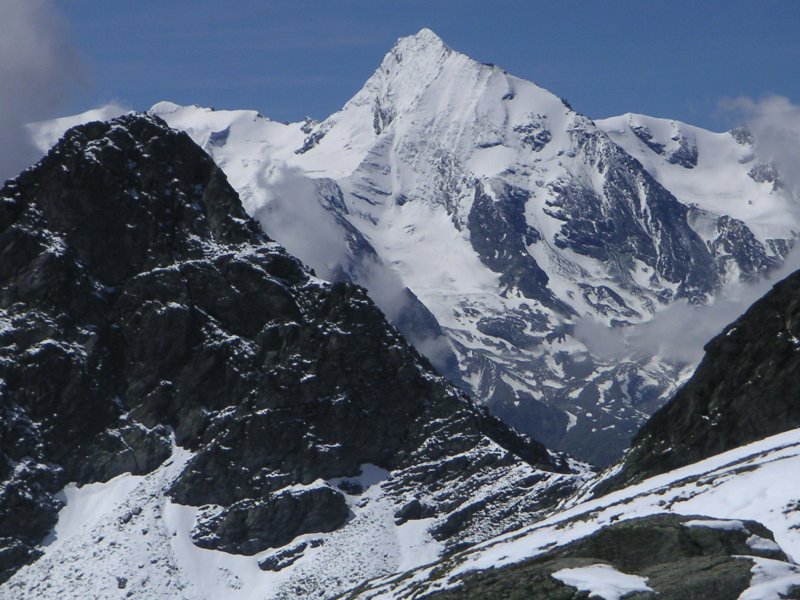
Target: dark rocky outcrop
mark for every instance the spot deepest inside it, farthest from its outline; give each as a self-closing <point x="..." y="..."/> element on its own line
<point x="289" y="556"/>
<point x="766" y="173"/>
<point x="500" y="236"/>
<point x="644" y="134"/>
<point x="250" y="526"/>
<point x="686" y="155"/>
<point x="140" y="307"/>
<point x="534" y="134"/>
<point x="678" y="561"/>
<point x="746" y="388"/>
<point x="736" y="243"/>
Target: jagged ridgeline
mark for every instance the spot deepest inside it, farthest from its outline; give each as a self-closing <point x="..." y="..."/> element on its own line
<point x="142" y="310"/>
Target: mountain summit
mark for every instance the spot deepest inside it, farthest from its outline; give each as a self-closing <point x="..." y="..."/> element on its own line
<point x="503" y="232"/>
<point x="410" y="66"/>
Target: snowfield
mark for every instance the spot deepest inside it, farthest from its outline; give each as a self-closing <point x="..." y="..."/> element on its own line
<point x="138" y="541"/>
<point x="603" y="581"/>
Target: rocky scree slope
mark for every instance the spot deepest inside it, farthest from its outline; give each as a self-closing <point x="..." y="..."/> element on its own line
<point x="741" y="507"/>
<point x="491" y="221"/>
<point x="144" y="315"/>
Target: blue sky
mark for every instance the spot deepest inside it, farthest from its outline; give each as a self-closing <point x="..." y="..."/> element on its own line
<point x="291" y="59"/>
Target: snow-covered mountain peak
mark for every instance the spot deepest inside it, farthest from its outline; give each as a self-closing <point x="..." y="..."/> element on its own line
<point x="423" y="91"/>
<point x="714" y="173"/>
<point x="165" y="106"/>
<point x="673" y="140"/>
<point x="424" y="44"/>
<point x="505" y="213"/>
<point x="402" y="77"/>
<point x="423" y="36"/>
<point x="44" y="134"/>
<point x="421" y="73"/>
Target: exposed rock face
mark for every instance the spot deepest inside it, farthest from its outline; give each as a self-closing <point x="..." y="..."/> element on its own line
<point x="491" y="222"/>
<point x="678" y="562"/>
<point x="746" y="388"/>
<point x="736" y="246"/>
<point x="248" y="526"/>
<point x="631" y="217"/>
<point x="140" y="307"/>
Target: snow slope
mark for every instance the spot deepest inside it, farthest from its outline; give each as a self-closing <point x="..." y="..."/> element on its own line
<point x="724" y="178"/>
<point x="756" y="482"/>
<point x="138" y="541"/>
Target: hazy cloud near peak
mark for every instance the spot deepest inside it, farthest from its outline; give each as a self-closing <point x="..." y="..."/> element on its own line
<point x="39" y="67"/>
<point x="679" y="332"/>
<point x="774" y="122"/>
<point x="292" y="210"/>
<point x="676" y="333"/>
<point x="291" y="213"/>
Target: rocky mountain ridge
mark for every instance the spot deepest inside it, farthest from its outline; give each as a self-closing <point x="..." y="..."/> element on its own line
<point x="167" y="371"/>
<point x="745" y="389"/>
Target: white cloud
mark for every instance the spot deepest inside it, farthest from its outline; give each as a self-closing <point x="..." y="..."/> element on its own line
<point x="775" y="124"/>
<point x="293" y="215"/>
<point x="678" y="332"/>
<point x="39" y="67"/>
<point x="294" y="212"/>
